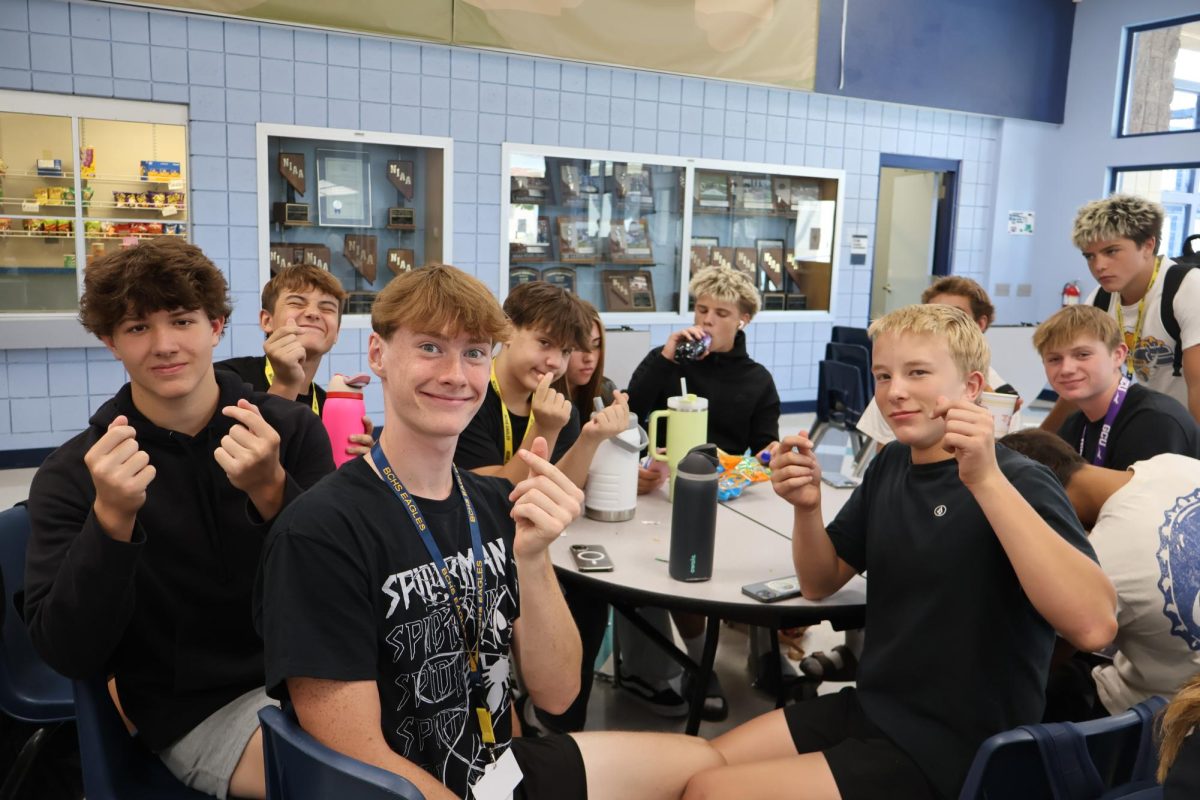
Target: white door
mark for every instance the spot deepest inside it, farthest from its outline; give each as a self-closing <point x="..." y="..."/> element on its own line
<point x="904" y="232"/>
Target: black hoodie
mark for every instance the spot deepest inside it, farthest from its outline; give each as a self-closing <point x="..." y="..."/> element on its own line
<point x="743" y="406"/>
<point x="167" y="613"/>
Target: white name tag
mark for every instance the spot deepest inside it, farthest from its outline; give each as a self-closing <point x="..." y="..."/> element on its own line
<point x="498" y="779"/>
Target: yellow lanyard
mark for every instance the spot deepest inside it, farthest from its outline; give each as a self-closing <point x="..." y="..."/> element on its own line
<point x="1131" y="340"/>
<point x="508" y="434"/>
<point x="269" y="371"/>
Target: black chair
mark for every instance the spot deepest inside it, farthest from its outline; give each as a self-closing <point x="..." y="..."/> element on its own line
<point x="299" y="767"/>
<point x="856" y="356"/>
<point x="841" y="400"/>
<point x="30" y="691"/>
<point x="116" y="765"/>
<point x="844" y="334"/>
<point x="1104" y="758"/>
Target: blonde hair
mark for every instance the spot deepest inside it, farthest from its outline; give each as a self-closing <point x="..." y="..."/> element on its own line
<point x="967" y="346"/>
<point x="727" y="286"/>
<point x="437" y="299"/>
<point x="1121" y="216"/>
<point x="1069" y="323"/>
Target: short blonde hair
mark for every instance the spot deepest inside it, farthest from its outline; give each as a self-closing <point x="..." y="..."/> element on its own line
<point x="1068" y="324"/>
<point x="438" y="299"/>
<point x="967" y="346"/>
<point x="727" y="286"/>
<point x="1121" y="216"/>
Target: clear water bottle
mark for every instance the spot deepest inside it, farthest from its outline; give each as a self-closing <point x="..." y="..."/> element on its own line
<point x="694" y="515"/>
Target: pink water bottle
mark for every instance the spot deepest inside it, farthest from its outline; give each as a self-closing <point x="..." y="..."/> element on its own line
<point x="343" y="413"/>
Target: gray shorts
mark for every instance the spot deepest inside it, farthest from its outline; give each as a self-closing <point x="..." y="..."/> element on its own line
<point x="206" y="757"/>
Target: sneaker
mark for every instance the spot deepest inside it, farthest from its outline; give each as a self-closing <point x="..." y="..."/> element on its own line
<point x="662" y="700"/>
<point x="839" y="664"/>
<point x="716" y="707"/>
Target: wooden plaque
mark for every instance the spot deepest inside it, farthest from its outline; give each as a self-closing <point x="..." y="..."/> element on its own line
<point x="400" y="260"/>
<point x="722" y="257"/>
<point x="745" y="261"/>
<point x="400" y="173"/>
<point x="291" y="167"/>
<point x="360" y="251"/>
<point x="288" y="254"/>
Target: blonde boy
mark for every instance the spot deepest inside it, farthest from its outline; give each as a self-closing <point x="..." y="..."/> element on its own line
<point x="962" y="539"/>
<point x="1118" y="422"/>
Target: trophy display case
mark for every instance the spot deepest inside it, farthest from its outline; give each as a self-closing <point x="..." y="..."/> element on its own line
<point x="627" y="230"/>
<point x="365" y="206"/>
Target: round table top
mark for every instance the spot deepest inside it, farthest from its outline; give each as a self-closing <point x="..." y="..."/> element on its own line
<point x="753" y="544"/>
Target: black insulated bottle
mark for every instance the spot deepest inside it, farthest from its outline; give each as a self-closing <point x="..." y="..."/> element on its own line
<point x="694" y="515"/>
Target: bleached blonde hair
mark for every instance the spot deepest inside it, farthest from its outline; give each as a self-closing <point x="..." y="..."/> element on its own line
<point x="1120" y="216"/>
<point x="968" y="348"/>
<point x="727" y="286"/>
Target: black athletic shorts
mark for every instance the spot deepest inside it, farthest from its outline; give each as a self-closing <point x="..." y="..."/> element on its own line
<point x="865" y="763"/>
<point x="553" y="768"/>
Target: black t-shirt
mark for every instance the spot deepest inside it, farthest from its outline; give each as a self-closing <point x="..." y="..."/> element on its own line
<point x="252" y="369"/>
<point x="348" y="592"/>
<point x="954" y="651"/>
<point x="482" y="443"/>
<point x="1183" y="778"/>
<point x="1149" y="424"/>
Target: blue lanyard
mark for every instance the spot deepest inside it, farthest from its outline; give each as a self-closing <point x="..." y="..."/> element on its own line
<point x="1114" y="408"/>
<point x="435" y="553"/>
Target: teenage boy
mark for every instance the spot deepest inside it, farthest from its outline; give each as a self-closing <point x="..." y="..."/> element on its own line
<point x="963" y="540"/>
<point x="521" y="404"/>
<point x="1118" y="422"/>
<point x="1140" y="528"/>
<point x="301" y="316"/>
<point x="1119" y="237"/>
<point x="148" y="526"/>
<point x="395" y="655"/>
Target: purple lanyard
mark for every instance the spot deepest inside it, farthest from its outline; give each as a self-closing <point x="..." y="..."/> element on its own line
<point x="1114" y="408"/>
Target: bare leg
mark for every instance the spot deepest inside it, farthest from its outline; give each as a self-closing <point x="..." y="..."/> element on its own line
<point x="761" y="762"/>
<point x="249" y="777"/>
<point x="642" y="766"/>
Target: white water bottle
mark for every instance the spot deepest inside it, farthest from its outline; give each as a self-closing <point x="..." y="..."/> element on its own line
<point x="611" y="493"/>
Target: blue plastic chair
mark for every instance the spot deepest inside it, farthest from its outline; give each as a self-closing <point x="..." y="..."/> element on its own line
<point x="29" y="690"/>
<point x="301" y="768"/>
<point x="856" y="356"/>
<point x="1105" y="758"/>
<point x="116" y="765"/>
<point x="844" y="334"/>
<point x="841" y="400"/>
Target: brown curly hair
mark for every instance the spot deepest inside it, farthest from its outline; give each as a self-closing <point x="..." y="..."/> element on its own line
<point x="161" y="274"/>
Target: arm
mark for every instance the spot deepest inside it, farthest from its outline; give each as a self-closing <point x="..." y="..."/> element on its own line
<point x="1191" y="374"/>
<point x="345" y="716"/>
<point x="796" y="477"/>
<point x="79" y="576"/>
<point x="1058" y="415"/>
<point x="1066" y="587"/>
<point x="545" y="637"/>
<point x="287" y="355"/>
<point x="576" y="462"/>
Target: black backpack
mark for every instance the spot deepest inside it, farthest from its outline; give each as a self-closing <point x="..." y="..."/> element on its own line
<point x="1171" y="282"/>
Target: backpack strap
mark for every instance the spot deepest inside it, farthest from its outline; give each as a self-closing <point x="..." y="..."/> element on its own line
<point x="1068" y="765"/>
<point x="1171" y="283"/>
<point x="1101" y="300"/>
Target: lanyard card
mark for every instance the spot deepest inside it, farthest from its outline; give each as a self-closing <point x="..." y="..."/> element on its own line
<point x="499" y="779"/>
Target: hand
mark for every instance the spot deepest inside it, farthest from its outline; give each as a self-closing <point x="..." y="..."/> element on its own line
<point x="609" y="422"/>
<point x="249" y="453"/>
<point x="361" y="443"/>
<point x="692" y="334"/>
<point x="544" y="504"/>
<point x="652" y="478"/>
<point x="795" y="473"/>
<point x="550" y="409"/>
<point x="970" y="438"/>
<point x="286" y="354"/>
<point x="120" y="471"/>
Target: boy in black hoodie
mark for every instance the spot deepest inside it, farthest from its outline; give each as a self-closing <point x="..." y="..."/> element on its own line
<point x="147" y="526"/>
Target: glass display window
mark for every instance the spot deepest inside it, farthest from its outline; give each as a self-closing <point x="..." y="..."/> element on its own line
<point x="364" y="206"/>
<point x="73" y="186"/>
<point x="612" y="227"/>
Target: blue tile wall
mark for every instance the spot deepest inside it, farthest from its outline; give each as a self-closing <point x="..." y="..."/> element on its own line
<point x="235" y="74"/>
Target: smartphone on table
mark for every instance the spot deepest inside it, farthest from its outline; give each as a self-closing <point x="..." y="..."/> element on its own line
<point x="773" y="590"/>
<point x="839" y="481"/>
<point x="591" y="558"/>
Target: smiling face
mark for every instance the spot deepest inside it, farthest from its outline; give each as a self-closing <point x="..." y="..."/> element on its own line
<point x="912" y="371"/>
<point x="1084" y="372"/>
<point x="166" y="353"/>
<point x="314" y="311"/>
<point x="1119" y="264"/>
<point x="432" y="383"/>
<point x="530" y="354"/>
<point x="583" y="362"/>
<point x="720" y="319"/>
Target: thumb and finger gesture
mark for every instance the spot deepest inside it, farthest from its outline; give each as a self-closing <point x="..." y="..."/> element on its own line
<point x="544" y="503"/>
